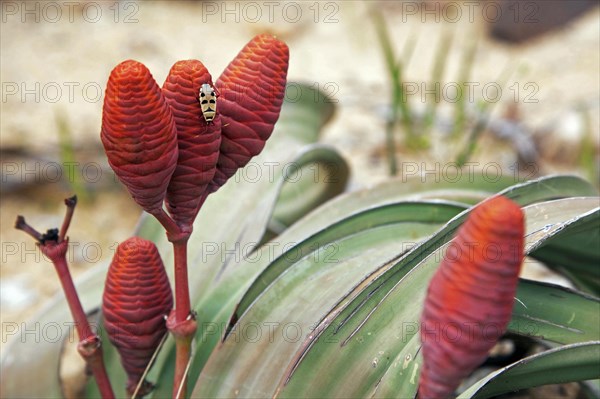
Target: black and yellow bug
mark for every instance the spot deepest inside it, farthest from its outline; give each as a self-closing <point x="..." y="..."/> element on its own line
<point x="208" y="102"/>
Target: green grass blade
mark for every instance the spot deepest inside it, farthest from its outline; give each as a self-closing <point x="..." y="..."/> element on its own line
<point x="439" y="66"/>
<point x="408" y="51"/>
<point x="588" y="160"/>
<point x="392" y="67"/>
<point x="67" y="157"/>
<point x="399" y="103"/>
<point x="466" y="66"/>
<point x="485" y="114"/>
<point x="383" y="36"/>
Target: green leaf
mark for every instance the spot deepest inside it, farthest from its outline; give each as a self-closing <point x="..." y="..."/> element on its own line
<point x="572" y="317"/>
<point x="575" y="251"/>
<point x="575" y="362"/>
<point x="306" y="187"/>
<point x="291" y="307"/>
<point x="356" y="318"/>
<point x="400" y="213"/>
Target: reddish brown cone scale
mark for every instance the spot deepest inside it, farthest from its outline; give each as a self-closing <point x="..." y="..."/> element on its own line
<point x="198" y="140"/>
<point x="470" y="298"/>
<point x="137" y="298"/>
<point x="138" y="134"/>
<point x="251" y="89"/>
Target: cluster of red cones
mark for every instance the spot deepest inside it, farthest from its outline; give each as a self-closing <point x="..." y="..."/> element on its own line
<point x="165" y="149"/>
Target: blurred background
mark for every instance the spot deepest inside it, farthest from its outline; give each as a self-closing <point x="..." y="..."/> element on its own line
<point x="418" y="85"/>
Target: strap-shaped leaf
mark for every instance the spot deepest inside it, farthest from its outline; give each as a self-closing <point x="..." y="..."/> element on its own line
<point x="575" y="362"/>
<point x="352" y="332"/>
<point x="433" y="213"/>
<point x="572" y="251"/>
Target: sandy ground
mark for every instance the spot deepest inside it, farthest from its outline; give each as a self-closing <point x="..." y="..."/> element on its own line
<point x="55" y="68"/>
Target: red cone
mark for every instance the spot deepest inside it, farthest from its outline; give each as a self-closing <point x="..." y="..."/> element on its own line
<point x="137" y="298"/>
<point x="198" y="140"/>
<point x="251" y="89"/>
<point x="470" y="297"/>
<point x="138" y="134"/>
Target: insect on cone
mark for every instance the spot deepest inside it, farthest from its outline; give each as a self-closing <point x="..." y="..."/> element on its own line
<point x="251" y="89"/>
<point x="198" y="140"/>
<point x="139" y="134"/>
<point x="470" y="298"/>
<point x="137" y="297"/>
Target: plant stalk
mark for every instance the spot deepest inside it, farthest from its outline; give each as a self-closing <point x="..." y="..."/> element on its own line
<point x="183" y="352"/>
<point x="70" y="203"/>
<point x="182" y="320"/>
<point x="89" y="343"/>
<point x="172" y="229"/>
<point x="54" y="245"/>
<point x="182" y="292"/>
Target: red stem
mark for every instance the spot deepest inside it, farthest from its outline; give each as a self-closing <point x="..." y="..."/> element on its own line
<point x="167" y="222"/>
<point x="179" y="237"/>
<point x="181" y="322"/>
<point x="55" y="248"/>
<point x="182" y="293"/>
<point x="183" y="351"/>
<point x="89" y="343"/>
<point x="81" y="322"/>
<point x="20" y="224"/>
<point x="70" y="203"/>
